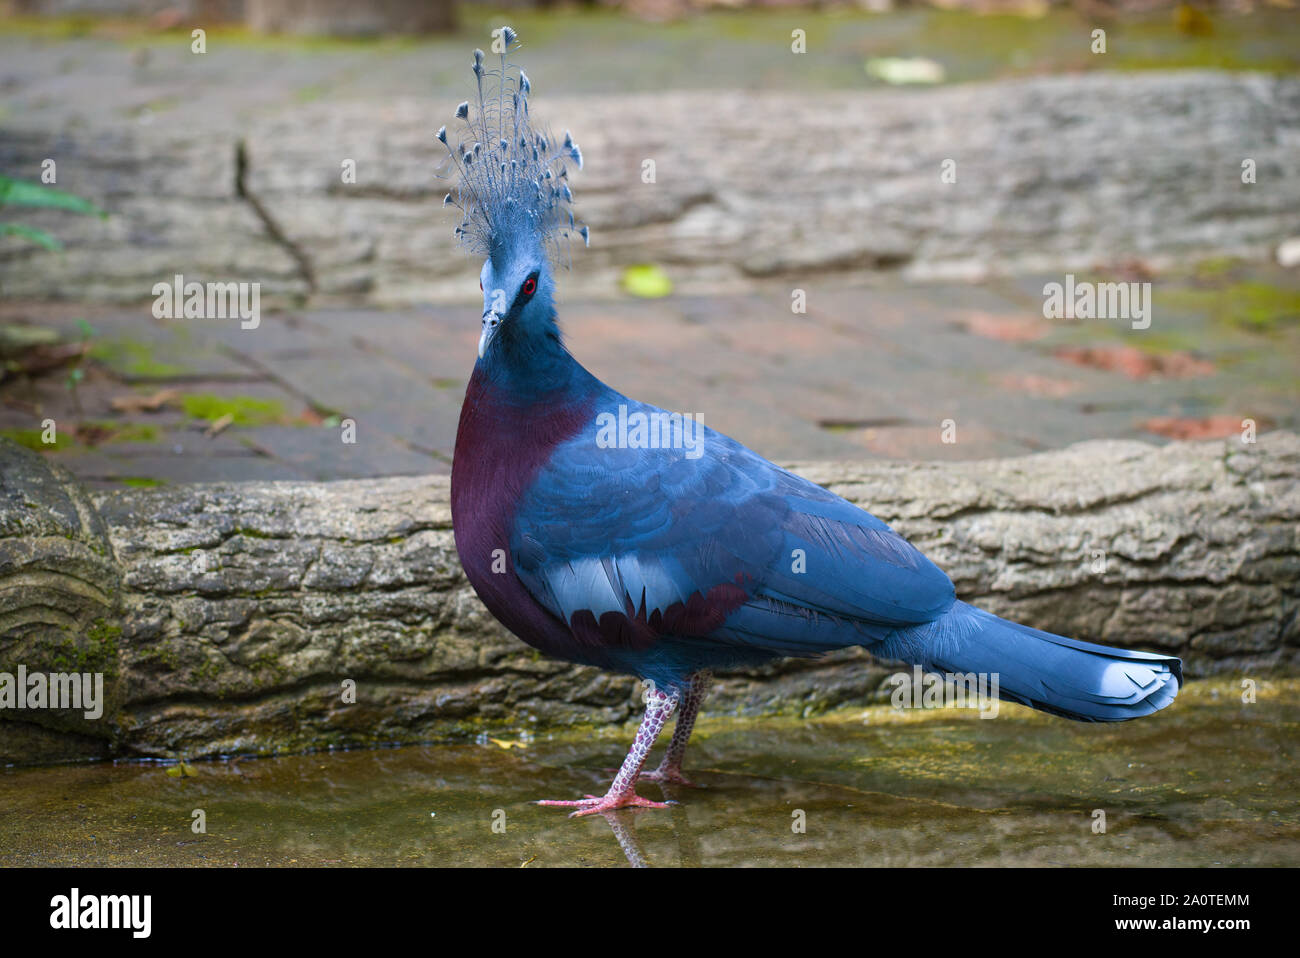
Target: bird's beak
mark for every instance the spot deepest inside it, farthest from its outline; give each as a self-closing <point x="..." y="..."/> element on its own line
<point x="490" y="323"/>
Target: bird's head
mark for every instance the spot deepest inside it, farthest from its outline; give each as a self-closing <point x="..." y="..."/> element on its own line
<point x="513" y="194"/>
<point x="518" y="297"/>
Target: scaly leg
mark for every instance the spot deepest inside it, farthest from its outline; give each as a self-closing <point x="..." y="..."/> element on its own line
<point x="670" y="769"/>
<point x="622" y="791"/>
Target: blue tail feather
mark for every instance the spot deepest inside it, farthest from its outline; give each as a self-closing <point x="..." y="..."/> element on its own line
<point x="1066" y="677"/>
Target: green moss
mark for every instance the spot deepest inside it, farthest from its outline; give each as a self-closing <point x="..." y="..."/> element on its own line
<point x="1162" y="343"/>
<point x="51" y="28"/>
<point x="139" y="32"/>
<point x="751" y="48"/>
<point x="134" y="359"/>
<point x="96" y="651"/>
<point x="1249" y="305"/>
<point x="102" y="631"/>
<point x="1216" y="267"/>
<point x="255" y="534"/>
<point x="269" y="662"/>
<point x="1258" y="306"/>
<point x="32" y="439"/>
<point x="111" y="430"/>
<point x="164" y="654"/>
<point x="118" y="431"/>
<point x="141" y="482"/>
<point x="209" y="671"/>
<point x="137" y="432"/>
<point x="244" y="410"/>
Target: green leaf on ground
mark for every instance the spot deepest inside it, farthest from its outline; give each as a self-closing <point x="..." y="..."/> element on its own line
<point x="647" y="280"/>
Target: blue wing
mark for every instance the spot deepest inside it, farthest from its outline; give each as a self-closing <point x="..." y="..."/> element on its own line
<point x="712" y="550"/>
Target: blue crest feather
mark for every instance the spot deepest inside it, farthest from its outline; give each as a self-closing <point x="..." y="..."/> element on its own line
<point x="511" y="180"/>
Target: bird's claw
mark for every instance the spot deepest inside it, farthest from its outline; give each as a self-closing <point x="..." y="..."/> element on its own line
<point x="593" y="804"/>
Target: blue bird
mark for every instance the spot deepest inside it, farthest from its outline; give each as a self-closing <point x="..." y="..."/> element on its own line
<point x="604" y="531"/>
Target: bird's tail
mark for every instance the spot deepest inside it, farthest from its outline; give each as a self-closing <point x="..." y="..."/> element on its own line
<point x="1073" y="679"/>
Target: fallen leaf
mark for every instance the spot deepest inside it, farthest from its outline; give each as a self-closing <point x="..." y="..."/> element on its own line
<point x="1131" y="270"/>
<point x="1179" y="427"/>
<point x="905" y="70"/>
<point x="1136" y="364"/>
<point x="92" y="434"/>
<point x="41" y="359"/>
<point x="151" y="403"/>
<point x="647" y="280"/>
<point x="219" y="425"/>
<point x="1042" y="386"/>
<point x="1016" y="328"/>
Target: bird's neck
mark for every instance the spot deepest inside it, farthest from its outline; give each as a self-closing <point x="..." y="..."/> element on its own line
<point x="513" y="417"/>
<point x="523" y="399"/>
<point x="528" y="363"/>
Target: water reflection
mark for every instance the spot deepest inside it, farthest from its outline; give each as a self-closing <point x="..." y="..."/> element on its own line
<point x="1208" y="782"/>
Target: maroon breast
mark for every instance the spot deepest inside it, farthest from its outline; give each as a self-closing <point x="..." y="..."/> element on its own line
<point x="500" y="447"/>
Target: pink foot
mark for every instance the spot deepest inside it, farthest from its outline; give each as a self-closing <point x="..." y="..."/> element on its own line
<point x="606" y="803"/>
<point x="667" y="776"/>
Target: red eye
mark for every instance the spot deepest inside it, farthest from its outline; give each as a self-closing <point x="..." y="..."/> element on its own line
<point x="530" y="286"/>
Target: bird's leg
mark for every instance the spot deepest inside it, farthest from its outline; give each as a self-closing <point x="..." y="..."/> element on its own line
<point x="670" y="769"/>
<point x="622" y="791"/>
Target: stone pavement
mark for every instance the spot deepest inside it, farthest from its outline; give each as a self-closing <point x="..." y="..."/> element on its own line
<point x="226" y="167"/>
<point x="868" y="371"/>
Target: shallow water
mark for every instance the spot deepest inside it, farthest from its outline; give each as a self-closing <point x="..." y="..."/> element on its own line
<point x="1210" y="782"/>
